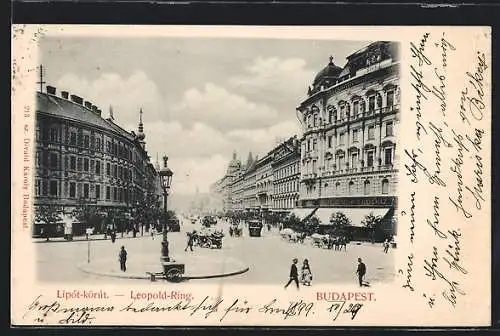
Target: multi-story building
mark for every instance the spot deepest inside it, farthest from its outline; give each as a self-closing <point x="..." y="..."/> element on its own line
<point x="265" y="185"/>
<point x="83" y="157"/>
<point x="264" y="182"/>
<point x="349" y="124"/>
<point x="249" y="185"/>
<point x="286" y="174"/>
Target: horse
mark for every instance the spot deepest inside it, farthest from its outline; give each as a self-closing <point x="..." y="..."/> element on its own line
<point x="342" y="242"/>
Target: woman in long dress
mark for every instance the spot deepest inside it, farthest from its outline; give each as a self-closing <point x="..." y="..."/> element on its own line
<point x="306" y="273"/>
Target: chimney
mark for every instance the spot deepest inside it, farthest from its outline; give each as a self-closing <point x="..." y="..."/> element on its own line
<point x="98" y="111"/>
<point x="65" y="94"/>
<point x="94" y="108"/>
<point x="88" y="105"/>
<point x="51" y="90"/>
<point x="77" y="99"/>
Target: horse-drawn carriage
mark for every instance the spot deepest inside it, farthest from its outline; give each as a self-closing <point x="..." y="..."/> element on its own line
<point x="329" y="242"/>
<point x="292" y="236"/>
<point x="255" y="228"/>
<point x="210" y="239"/>
<point x="235" y="230"/>
<point x="321" y="241"/>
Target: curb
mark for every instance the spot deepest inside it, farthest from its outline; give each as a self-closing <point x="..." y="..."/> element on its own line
<point x="147" y="277"/>
<point x="86" y="240"/>
<point x="135" y="277"/>
<point x="217" y="275"/>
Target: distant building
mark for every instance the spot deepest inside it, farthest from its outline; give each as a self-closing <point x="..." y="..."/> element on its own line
<point x="286" y="175"/>
<point x="262" y="185"/>
<point x="83" y="158"/>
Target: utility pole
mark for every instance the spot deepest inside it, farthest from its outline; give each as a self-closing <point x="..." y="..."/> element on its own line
<point x="41" y="72"/>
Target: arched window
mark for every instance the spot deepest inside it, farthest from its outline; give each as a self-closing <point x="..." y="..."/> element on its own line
<point x="366" y="190"/>
<point x="337" y="188"/>
<point x="351" y="188"/>
<point x="385" y="186"/>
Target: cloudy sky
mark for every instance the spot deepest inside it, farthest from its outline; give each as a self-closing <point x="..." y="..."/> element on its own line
<point x="202" y="98"/>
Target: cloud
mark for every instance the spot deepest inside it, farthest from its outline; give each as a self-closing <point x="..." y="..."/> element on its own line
<point x="200" y="131"/>
<point x="126" y="94"/>
<point x="274" y="79"/>
<point x="264" y="139"/>
<point x="180" y="141"/>
<point x="222" y="109"/>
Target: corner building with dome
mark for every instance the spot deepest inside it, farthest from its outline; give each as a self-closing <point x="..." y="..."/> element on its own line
<point x="349" y="123"/>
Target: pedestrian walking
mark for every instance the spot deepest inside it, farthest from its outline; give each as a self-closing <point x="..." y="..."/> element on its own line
<point x="361" y="271"/>
<point x="294" y="275"/>
<point x="386" y="245"/>
<point x="113" y="236"/>
<point x="153" y="232"/>
<point x="88" y="232"/>
<point x="190" y="242"/>
<point x="44" y="234"/>
<point x="123" y="259"/>
<point x="306" y="273"/>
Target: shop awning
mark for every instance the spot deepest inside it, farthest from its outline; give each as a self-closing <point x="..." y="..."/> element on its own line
<point x="356" y="215"/>
<point x="302" y="212"/>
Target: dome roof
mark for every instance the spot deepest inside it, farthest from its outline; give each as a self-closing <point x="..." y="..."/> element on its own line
<point x="331" y="71"/>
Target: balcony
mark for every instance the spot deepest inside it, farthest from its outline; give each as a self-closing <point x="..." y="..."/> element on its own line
<point x="374" y="67"/>
<point x="368" y="169"/>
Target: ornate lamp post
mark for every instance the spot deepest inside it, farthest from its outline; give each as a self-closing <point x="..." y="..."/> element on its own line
<point x="166" y="179"/>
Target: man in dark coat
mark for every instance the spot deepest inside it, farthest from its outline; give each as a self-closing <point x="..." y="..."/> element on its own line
<point x="123" y="259"/>
<point x="294" y="274"/>
<point x="361" y="271"/>
<point x="191" y="238"/>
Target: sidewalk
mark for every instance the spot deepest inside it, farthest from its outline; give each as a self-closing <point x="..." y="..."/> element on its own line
<point x="196" y="267"/>
<point x="92" y="238"/>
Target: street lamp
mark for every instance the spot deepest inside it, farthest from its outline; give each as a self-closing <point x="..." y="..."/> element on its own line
<point x="165" y="179"/>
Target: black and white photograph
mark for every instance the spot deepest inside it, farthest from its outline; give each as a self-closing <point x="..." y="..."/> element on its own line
<point x="251" y="176"/>
<point x="193" y="159"/>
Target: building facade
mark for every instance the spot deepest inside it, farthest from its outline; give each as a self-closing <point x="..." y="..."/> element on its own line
<point x="348" y="143"/>
<point x="263" y="185"/>
<point x="82" y="157"/>
<point x="286" y="175"/>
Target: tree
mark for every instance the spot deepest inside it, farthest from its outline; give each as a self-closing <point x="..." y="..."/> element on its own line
<point x="340" y="223"/>
<point x="48" y="215"/>
<point x="372" y="223"/>
<point x="86" y="212"/>
<point x="293" y="222"/>
<point x="148" y="210"/>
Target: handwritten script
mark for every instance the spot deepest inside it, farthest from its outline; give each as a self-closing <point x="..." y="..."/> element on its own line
<point x="448" y="159"/>
<point x="47" y="311"/>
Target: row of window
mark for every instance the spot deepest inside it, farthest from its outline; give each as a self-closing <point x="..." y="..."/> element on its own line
<point x="358" y="107"/>
<point x="286" y="171"/>
<point x="312" y="144"/>
<point x="81" y="190"/>
<point x="340" y="161"/>
<point x="352" y="189"/>
<point x="287" y="203"/>
<point x="290" y="186"/>
<point x="80" y="139"/>
<point x="83" y="164"/>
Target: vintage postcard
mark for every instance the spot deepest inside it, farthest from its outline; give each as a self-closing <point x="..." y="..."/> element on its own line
<point x="251" y="176"/>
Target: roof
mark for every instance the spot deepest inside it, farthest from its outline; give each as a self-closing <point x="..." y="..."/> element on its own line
<point x="66" y="109"/>
<point x="346" y="71"/>
<point x="330" y="71"/>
